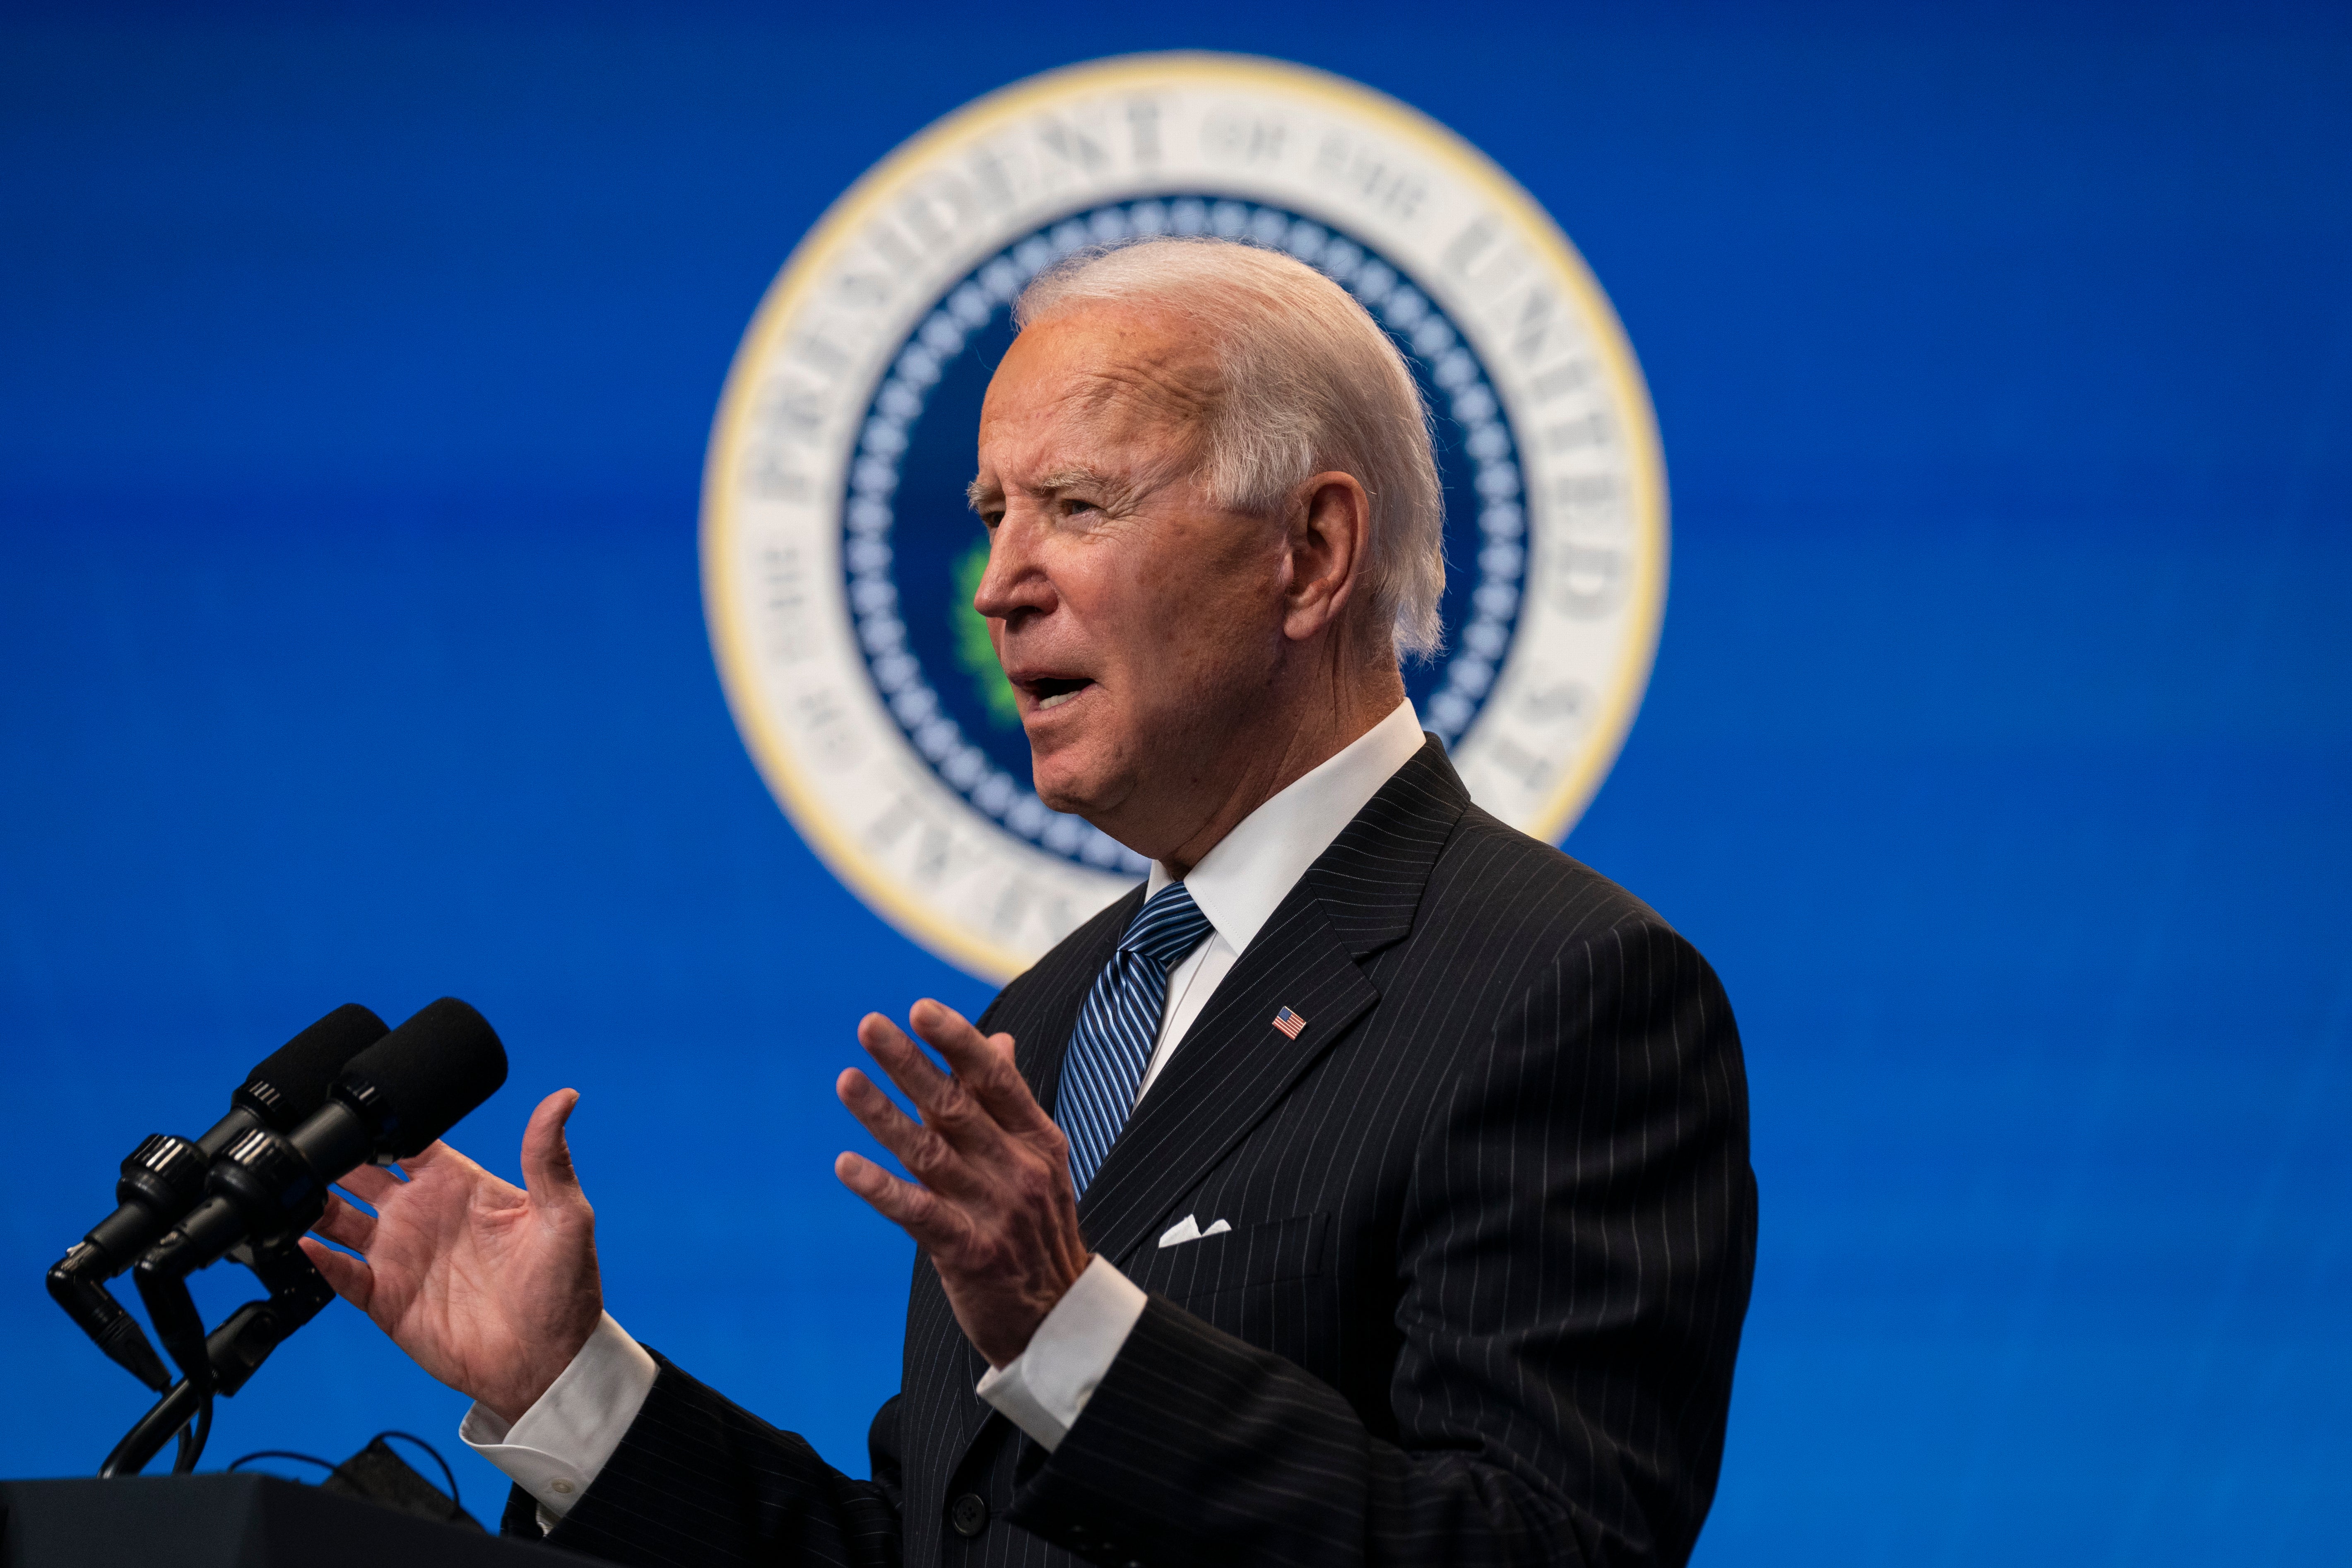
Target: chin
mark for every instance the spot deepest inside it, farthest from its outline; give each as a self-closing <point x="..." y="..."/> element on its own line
<point x="1060" y="795"/>
<point x="1065" y="783"/>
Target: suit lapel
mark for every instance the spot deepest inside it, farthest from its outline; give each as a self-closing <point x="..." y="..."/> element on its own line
<point x="1234" y="1066"/>
<point x="1370" y="879"/>
<point x="1231" y="1069"/>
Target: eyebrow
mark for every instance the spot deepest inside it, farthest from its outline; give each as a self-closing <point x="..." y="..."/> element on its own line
<point x="1071" y="479"/>
<point x="980" y="490"/>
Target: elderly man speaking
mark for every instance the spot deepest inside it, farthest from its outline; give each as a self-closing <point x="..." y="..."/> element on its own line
<point x="1371" y="1186"/>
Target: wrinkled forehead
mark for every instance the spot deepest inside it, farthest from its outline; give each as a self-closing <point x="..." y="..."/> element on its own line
<point x="1102" y="377"/>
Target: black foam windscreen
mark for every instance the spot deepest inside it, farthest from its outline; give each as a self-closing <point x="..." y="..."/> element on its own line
<point x="292" y="1081"/>
<point x="417" y="1081"/>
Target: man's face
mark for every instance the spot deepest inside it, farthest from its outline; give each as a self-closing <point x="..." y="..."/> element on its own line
<point x="1135" y="616"/>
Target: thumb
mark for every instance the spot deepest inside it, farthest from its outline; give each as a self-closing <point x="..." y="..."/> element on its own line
<point x="547" y="1169"/>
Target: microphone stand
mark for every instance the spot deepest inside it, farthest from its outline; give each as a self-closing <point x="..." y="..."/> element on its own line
<point x="232" y="1352"/>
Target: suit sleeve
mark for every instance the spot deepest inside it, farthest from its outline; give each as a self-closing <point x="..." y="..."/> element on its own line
<point x="699" y="1479"/>
<point x="1574" y="1259"/>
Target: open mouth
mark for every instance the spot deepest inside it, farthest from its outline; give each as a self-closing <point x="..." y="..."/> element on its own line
<point x="1053" y="691"/>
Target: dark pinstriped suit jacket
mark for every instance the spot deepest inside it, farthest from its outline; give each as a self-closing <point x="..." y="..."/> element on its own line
<point x="1493" y="1226"/>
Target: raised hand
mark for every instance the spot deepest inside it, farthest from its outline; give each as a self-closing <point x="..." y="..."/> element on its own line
<point x="994" y="1208"/>
<point x="490" y="1287"/>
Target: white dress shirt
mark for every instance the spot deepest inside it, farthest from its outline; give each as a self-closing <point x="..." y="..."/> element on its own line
<point x="556" y="1450"/>
<point x="560" y="1444"/>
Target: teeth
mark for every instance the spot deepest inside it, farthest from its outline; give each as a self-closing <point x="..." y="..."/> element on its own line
<point x="1055" y="701"/>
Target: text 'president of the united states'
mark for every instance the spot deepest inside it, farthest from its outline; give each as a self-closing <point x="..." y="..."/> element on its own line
<point x="1370" y="1185"/>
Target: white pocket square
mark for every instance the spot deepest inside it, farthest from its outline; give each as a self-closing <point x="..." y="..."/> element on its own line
<point x="1188" y="1229"/>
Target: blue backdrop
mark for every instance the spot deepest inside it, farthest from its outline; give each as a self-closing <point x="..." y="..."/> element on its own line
<point x="355" y="367"/>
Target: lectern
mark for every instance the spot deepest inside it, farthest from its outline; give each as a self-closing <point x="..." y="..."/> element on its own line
<point x="234" y="1522"/>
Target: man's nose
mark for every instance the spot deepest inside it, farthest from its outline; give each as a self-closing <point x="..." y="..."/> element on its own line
<point x="1015" y="583"/>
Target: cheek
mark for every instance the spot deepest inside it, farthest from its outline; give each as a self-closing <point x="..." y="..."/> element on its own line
<point x="1129" y="613"/>
<point x="1221" y="614"/>
<point x="1200" y="659"/>
<point x="1176" y="619"/>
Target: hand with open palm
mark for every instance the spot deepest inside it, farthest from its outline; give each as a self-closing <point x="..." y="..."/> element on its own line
<point x="490" y="1287"/>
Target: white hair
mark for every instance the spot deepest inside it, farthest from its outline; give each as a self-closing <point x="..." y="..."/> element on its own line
<point x="1309" y="384"/>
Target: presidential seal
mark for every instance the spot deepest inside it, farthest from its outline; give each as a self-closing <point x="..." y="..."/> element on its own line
<point x="839" y="555"/>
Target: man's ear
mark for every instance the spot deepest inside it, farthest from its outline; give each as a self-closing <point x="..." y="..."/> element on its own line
<point x="1330" y="549"/>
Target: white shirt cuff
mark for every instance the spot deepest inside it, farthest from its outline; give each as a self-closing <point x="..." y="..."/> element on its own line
<point x="555" y="1451"/>
<point x="1042" y="1389"/>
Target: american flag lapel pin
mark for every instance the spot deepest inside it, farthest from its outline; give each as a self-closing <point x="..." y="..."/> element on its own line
<point x="1289" y="1023"/>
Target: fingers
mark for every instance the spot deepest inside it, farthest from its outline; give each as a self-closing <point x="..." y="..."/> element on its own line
<point x="436" y="1153"/>
<point x="547" y="1169"/>
<point x="985" y="1094"/>
<point x="974" y="1111"/>
<point x="933" y="1224"/>
<point x="984" y="1064"/>
<point x="369" y="1184"/>
<point x="344" y="1224"/>
<point x="904" y="1060"/>
<point x="351" y="1278"/>
<point x="946" y="1102"/>
<point x="873" y="1108"/>
<point x="921" y="1150"/>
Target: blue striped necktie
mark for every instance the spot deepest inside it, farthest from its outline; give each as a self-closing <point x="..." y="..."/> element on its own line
<point x="1119" y="1025"/>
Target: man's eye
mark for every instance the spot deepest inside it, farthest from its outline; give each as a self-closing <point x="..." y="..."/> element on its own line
<point x="990" y="519"/>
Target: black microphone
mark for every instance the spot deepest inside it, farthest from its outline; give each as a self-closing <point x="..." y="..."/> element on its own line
<point x="268" y="1187"/>
<point x="163" y="1178"/>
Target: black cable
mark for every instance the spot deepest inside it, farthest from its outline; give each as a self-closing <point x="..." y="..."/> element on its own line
<point x="190" y="1451"/>
<point x="171" y="1413"/>
<point x="327" y="1465"/>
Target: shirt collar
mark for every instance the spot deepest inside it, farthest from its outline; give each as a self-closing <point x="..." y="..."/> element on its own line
<point x="1247" y="875"/>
